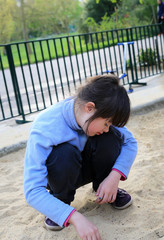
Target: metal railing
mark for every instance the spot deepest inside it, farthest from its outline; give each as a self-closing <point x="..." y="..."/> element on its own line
<point x="37" y="74"/>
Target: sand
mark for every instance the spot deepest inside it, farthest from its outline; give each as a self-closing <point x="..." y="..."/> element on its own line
<point x="143" y="220"/>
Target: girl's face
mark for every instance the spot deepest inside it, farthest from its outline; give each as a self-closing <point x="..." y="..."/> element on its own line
<point x="98" y="126"/>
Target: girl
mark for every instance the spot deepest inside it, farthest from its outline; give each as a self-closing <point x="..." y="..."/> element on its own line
<point x="77" y="141"/>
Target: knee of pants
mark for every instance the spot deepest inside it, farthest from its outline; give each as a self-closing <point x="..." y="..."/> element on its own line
<point x="63" y="164"/>
<point x="106" y="147"/>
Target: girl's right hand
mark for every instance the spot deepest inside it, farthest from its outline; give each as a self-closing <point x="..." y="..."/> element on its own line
<point x="85" y="229"/>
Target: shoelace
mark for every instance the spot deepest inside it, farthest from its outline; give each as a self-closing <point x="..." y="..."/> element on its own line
<point x="121" y="192"/>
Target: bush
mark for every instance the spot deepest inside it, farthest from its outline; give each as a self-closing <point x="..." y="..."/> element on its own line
<point x="128" y="64"/>
<point x="147" y="57"/>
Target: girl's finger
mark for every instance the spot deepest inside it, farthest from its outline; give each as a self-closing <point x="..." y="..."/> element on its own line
<point x="99" y="199"/>
<point x="114" y="197"/>
<point x="98" y="191"/>
<point x="110" y="198"/>
<point x="105" y="199"/>
<point x="85" y="238"/>
<point x="89" y="238"/>
<point x="98" y="236"/>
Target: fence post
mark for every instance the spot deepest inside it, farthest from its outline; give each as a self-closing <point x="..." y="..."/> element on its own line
<point x="158" y="56"/>
<point x="15" y="84"/>
<point x="130" y="57"/>
<point x="162" y="27"/>
<point x="134" y="57"/>
<point x="134" y="81"/>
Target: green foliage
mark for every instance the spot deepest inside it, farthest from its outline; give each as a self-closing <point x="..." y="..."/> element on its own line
<point x="6" y="21"/>
<point x="113" y="1"/>
<point x="128" y="64"/>
<point x="98" y="10"/>
<point x="147" y="57"/>
<point x="112" y="14"/>
<point x="136" y="13"/>
<point x="37" y="18"/>
<point x="52" y="16"/>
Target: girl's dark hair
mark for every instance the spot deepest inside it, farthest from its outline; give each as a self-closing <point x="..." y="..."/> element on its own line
<point x="111" y="100"/>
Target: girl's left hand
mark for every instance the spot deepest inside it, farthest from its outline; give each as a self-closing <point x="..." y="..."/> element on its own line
<point x="107" y="190"/>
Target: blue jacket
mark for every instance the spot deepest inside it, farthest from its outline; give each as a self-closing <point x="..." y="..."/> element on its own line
<point x="161" y="10"/>
<point x="54" y="126"/>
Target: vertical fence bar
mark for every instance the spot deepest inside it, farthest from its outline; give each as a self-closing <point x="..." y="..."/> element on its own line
<point x="40" y="42"/>
<point x="15" y="83"/>
<point x="6" y="88"/>
<point x="134" y="56"/>
<point x="130" y="59"/>
<point x="150" y="50"/>
<point x="93" y="53"/>
<point x="65" y="66"/>
<point x="154" y="48"/>
<point x="122" y="34"/>
<point x="120" y="56"/>
<point x="142" y="50"/>
<point x="85" y="37"/>
<point x="97" y="42"/>
<point x="21" y="65"/>
<point x="147" y="52"/>
<point x="77" y="61"/>
<point x="57" y="59"/>
<point x="157" y="48"/>
<point x="69" y="52"/>
<point x="109" y="53"/>
<point x="32" y="80"/>
<point x="40" y="82"/>
<point x="102" y="38"/>
<point x="112" y="33"/>
<point x="162" y="50"/>
<point x="82" y="56"/>
<point x="53" y="75"/>
<point x="162" y="39"/>
<point x="138" y="52"/>
<point x="3" y="114"/>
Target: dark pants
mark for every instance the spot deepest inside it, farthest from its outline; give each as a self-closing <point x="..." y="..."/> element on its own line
<point x="160" y="20"/>
<point x="68" y="168"/>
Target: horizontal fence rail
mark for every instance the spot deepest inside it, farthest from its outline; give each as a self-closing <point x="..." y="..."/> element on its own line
<point x="39" y="73"/>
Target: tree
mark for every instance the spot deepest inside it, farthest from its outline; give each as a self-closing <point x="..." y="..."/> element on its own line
<point x="42" y="18"/>
<point x="52" y="16"/>
<point x="133" y="13"/>
<point x="68" y="11"/>
<point x="147" y="5"/>
<point x="97" y="9"/>
<point x="6" y="20"/>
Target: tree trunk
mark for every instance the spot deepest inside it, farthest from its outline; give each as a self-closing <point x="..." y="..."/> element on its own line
<point x="24" y="28"/>
<point x="68" y="42"/>
<point x="154" y="15"/>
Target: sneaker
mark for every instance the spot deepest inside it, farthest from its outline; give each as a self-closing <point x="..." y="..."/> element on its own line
<point x="50" y="225"/>
<point x="123" y="199"/>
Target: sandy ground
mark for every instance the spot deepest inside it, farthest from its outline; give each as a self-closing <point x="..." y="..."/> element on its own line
<point x="143" y="220"/>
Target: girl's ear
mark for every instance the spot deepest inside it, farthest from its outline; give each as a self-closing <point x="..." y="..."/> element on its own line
<point x="89" y="107"/>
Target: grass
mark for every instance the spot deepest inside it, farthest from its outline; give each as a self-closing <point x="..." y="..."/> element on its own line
<point x="42" y="50"/>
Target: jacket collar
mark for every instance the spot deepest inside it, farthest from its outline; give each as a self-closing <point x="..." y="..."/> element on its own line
<point x="69" y="115"/>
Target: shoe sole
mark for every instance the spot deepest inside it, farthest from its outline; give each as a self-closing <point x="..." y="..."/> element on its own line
<point x="125" y="206"/>
<point x="53" y="228"/>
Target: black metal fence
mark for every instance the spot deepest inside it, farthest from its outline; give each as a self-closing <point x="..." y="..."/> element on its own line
<point x="37" y="74"/>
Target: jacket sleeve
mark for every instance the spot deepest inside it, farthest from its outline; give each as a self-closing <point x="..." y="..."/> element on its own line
<point x="35" y="180"/>
<point x="128" y="152"/>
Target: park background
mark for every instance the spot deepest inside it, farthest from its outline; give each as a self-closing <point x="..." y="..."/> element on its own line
<point x="51" y="47"/>
<point x="31" y="19"/>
